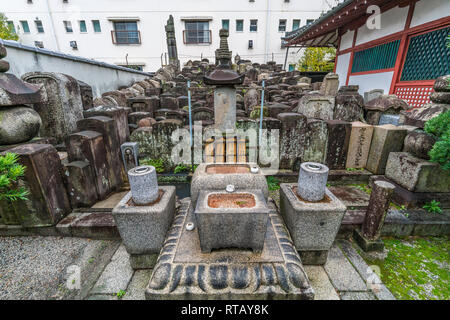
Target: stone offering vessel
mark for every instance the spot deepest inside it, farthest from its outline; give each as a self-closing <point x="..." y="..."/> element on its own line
<point x="231" y="219"/>
<point x="312" y="181"/>
<point x="143" y="184"/>
<point x="216" y="176"/>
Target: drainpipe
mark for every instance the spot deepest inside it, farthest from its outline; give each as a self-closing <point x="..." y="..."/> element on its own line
<point x="267" y="39"/>
<point x="53" y="26"/>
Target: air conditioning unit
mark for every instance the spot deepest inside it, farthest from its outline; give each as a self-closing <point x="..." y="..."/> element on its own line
<point x="39" y="44"/>
<point x="250" y="44"/>
<point x="73" y="44"/>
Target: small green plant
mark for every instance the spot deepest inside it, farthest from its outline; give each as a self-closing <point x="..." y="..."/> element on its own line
<point x="120" y="294"/>
<point x="440" y="127"/>
<point x="90" y="260"/>
<point x="433" y="207"/>
<point x="256" y="112"/>
<point x="241" y="203"/>
<point x="181" y="168"/>
<point x="363" y="187"/>
<point x="157" y="163"/>
<point x="273" y="183"/>
<point x="10" y="172"/>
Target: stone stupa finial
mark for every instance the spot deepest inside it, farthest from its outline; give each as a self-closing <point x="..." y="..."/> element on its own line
<point x="223" y="53"/>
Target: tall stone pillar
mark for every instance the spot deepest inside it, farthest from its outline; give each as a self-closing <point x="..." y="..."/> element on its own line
<point x="380" y="199"/>
<point x="225" y="79"/>
<point x="172" y="43"/>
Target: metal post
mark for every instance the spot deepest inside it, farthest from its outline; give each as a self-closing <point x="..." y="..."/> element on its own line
<point x="190" y="123"/>
<point x="285" y="59"/>
<point x="262" y="112"/>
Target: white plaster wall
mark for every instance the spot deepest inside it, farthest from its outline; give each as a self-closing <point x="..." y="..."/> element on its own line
<point x="342" y="67"/>
<point x="372" y="81"/>
<point x="392" y="21"/>
<point x="153" y="15"/>
<point x="347" y="40"/>
<point x="102" y="79"/>
<point x="429" y="10"/>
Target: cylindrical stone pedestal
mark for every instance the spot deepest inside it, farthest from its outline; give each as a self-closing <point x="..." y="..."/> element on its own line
<point x="379" y="202"/>
<point x="143" y="184"/>
<point x="312" y="181"/>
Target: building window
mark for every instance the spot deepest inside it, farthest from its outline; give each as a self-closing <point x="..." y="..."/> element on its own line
<point x="96" y="25"/>
<point x="239" y="25"/>
<point x="83" y="27"/>
<point x="197" y="32"/>
<point x="226" y="24"/>
<point x="427" y="56"/>
<point x="376" y="58"/>
<point x="25" y="26"/>
<point x="39" y="26"/>
<point x="282" y="25"/>
<point x="11" y="26"/>
<point x="126" y="32"/>
<point x="253" y="25"/>
<point x="68" y="26"/>
<point x="309" y="21"/>
<point x="295" y="24"/>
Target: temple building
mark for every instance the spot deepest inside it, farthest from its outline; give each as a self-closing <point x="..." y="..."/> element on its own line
<point x="399" y="46"/>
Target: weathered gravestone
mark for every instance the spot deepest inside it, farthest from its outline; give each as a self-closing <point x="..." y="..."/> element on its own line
<point x="330" y="85"/>
<point x="349" y="104"/>
<point x="108" y="128"/>
<point x="359" y="146"/>
<point x="80" y="179"/>
<point x="386" y="139"/>
<point x="317" y="106"/>
<point x="292" y="139"/>
<point x="89" y="146"/>
<point x="118" y="114"/>
<point x="338" y="141"/>
<point x="47" y="201"/>
<point x="64" y="105"/>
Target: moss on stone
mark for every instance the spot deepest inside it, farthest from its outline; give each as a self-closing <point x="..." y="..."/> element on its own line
<point x="416" y="268"/>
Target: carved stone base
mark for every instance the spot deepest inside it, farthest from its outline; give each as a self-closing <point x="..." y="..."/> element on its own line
<point x="184" y="272"/>
<point x="366" y="244"/>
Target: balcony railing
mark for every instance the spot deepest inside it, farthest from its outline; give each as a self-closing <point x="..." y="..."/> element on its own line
<point x="126" y="37"/>
<point x="197" y="36"/>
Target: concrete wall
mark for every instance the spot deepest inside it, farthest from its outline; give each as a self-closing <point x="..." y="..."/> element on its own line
<point x="102" y="77"/>
<point x="372" y="81"/>
<point x="151" y="18"/>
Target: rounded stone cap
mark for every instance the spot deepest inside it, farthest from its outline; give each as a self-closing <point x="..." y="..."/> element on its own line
<point x="143" y="184"/>
<point x="314" y="167"/>
<point x="384" y="184"/>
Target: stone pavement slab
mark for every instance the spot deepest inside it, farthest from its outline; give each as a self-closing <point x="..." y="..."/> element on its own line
<point x="116" y="275"/>
<point x="38" y="267"/>
<point x="341" y="273"/>
<point x="378" y="288"/>
<point x="136" y="288"/>
<point x="354" y="295"/>
<point x="322" y="286"/>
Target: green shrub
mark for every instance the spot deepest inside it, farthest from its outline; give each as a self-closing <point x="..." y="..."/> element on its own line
<point x="10" y="171"/>
<point x="181" y="168"/>
<point x="157" y="163"/>
<point x="256" y="112"/>
<point x="273" y="183"/>
<point x="433" y="207"/>
<point x="440" y="127"/>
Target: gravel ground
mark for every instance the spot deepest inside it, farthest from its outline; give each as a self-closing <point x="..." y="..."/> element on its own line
<point x="35" y="267"/>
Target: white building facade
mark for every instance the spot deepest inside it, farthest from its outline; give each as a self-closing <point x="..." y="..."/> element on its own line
<point x="131" y="33"/>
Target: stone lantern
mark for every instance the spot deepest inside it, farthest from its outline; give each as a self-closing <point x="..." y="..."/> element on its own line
<point x="225" y="79"/>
